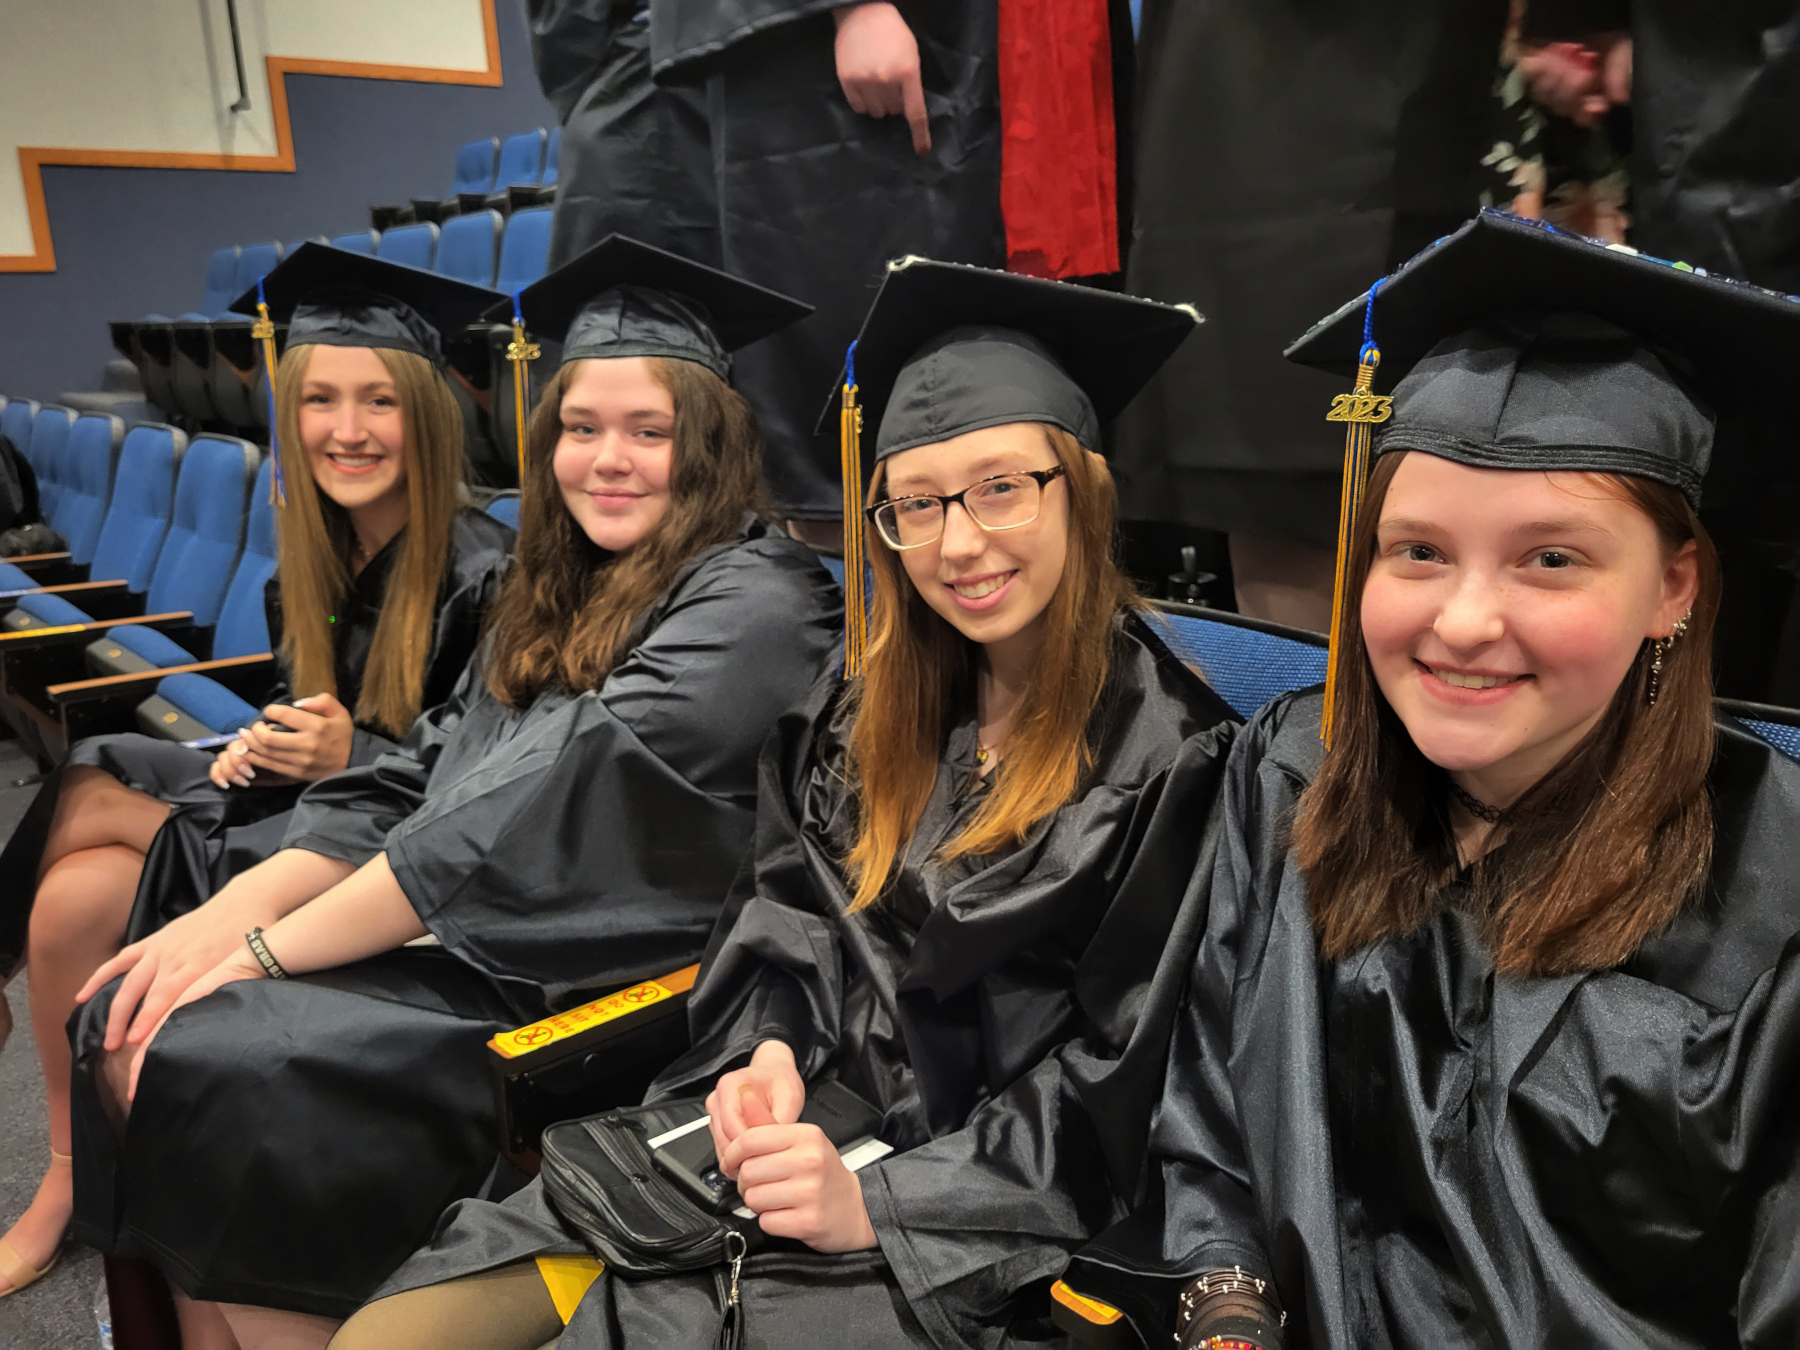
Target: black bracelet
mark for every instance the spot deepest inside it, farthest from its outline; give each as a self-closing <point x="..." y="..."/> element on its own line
<point x="265" y="958"/>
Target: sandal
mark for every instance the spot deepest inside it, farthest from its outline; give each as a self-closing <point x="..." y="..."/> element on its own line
<point x="15" y="1269"/>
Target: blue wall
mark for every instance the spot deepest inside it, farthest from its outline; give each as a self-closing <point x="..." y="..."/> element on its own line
<point x="135" y="241"/>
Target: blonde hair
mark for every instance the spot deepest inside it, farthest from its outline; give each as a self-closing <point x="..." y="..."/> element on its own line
<point x="916" y="661"/>
<point x="315" y="539"/>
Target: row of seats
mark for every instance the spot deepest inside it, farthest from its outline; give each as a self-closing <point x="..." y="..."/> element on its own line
<point x="202" y="369"/>
<point x="491" y="174"/>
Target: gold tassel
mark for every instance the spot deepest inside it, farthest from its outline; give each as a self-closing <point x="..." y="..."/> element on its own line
<point x="521" y="351"/>
<point x="855" y="600"/>
<point x="1361" y="410"/>
<point x="263" y="331"/>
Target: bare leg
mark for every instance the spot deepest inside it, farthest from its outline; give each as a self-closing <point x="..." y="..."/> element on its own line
<point x="203" y="1325"/>
<point x="94" y="858"/>
<point x="272" y="1329"/>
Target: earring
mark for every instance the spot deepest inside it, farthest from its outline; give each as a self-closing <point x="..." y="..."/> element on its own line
<point x="1660" y="648"/>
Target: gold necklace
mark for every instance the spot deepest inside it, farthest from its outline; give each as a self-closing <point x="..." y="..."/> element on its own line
<point x="981" y="754"/>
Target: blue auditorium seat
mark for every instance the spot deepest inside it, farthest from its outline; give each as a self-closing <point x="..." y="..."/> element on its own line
<point x="413" y="245"/>
<point x="521" y="160"/>
<point x="1248" y="662"/>
<point x="137" y="520"/>
<point x="15" y="425"/>
<point x="255" y="261"/>
<point x="357" y="241"/>
<point x="92" y="454"/>
<point x="552" y="155"/>
<point x="505" y="509"/>
<point x="467" y="245"/>
<point x="221" y="276"/>
<point x="48" y="455"/>
<point x="525" y="249"/>
<point x="476" y="164"/>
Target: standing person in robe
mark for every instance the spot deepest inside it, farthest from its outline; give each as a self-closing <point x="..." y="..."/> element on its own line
<point x="569" y="821"/>
<point x="1490" y="1038"/>
<point x="382" y="579"/>
<point x="1285" y="152"/>
<point x="968" y="863"/>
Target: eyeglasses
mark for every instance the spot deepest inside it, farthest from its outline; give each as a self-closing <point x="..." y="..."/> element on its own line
<point x="1003" y="502"/>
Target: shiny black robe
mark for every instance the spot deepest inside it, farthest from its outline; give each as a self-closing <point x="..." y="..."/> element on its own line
<point x="293" y="1141"/>
<point x="213" y="834"/>
<point x="814" y="198"/>
<point x="1007" y="1014"/>
<point x="1423" y="1154"/>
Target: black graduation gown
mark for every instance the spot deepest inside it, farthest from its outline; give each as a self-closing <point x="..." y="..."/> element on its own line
<point x="813" y="199"/>
<point x="1425" y="1155"/>
<point x="636" y="155"/>
<point x="213" y="834"/>
<point x="1007" y="1015"/>
<point x="293" y="1141"/>
<point x="1287" y="155"/>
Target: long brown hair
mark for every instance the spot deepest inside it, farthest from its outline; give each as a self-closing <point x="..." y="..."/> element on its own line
<point x="916" y="661"/>
<point x="1600" y="854"/>
<point x="313" y="544"/>
<point x="569" y="608"/>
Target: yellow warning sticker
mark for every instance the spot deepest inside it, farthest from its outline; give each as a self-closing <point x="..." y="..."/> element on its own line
<point x="563" y="1025"/>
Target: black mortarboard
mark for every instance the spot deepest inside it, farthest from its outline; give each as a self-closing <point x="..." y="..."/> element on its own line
<point x="336" y="298"/>
<point x="946" y="349"/>
<point x="1511" y="344"/>
<point x="625" y="298"/>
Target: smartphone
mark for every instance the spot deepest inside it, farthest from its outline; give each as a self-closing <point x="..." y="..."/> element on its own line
<point x="691" y="1162"/>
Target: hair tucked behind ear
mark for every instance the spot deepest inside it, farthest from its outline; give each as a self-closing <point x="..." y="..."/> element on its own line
<point x="570" y="609"/>
<point x="1600" y="855"/>
<point x="314" y="542"/>
<point x="916" y="661"/>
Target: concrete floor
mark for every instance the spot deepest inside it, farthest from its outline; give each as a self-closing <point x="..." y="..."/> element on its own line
<point x="56" y="1313"/>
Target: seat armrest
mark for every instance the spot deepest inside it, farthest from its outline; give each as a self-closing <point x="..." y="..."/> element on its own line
<point x="68" y="634"/>
<point x="32" y="562"/>
<point x="115" y="597"/>
<point x="140" y="684"/>
<point x="1089" y="1322"/>
<point x="589" y="1058"/>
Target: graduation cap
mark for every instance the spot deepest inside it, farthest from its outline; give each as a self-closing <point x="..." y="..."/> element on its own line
<point x="335" y="298"/>
<point x="1511" y="344"/>
<point x="947" y="349"/>
<point x="626" y="298"/>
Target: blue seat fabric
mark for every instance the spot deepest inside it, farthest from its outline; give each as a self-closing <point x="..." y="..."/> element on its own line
<point x="51" y="609"/>
<point x="157" y="648"/>
<point x="505" y="510"/>
<point x="413" y="245"/>
<point x="207" y="701"/>
<point x="15" y="425"/>
<point x="466" y="247"/>
<point x="49" y="444"/>
<point x="143" y="498"/>
<point x="476" y="162"/>
<point x="254" y="262"/>
<point x="243" y="627"/>
<point x="1784" y="738"/>
<point x="521" y="160"/>
<point x="525" y="251"/>
<point x="357" y="241"/>
<point x="206" y="529"/>
<point x="1246" y="667"/>
<point x="221" y="276"/>
<point x="81" y="505"/>
<point x="16" y="579"/>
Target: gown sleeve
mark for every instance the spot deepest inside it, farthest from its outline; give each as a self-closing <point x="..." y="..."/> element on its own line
<point x="595" y="845"/>
<point x="569" y="41"/>
<point x="683" y="32"/>
<point x="974" y="1215"/>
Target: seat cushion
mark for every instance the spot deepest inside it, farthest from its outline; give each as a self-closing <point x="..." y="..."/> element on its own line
<point x="207" y="701"/>
<point x="15" y="579"/>
<point x="52" y="609"/>
<point x="156" y="648"/>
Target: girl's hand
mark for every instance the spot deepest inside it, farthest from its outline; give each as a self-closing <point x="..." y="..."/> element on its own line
<point x="230" y="767"/>
<point x="315" y="745"/>
<point x="231" y="969"/>
<point x="771" y="1075"/>
<point x="792" y="1176"/>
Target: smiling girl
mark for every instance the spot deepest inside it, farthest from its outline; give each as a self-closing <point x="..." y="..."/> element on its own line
<point x="566" y="823"/>
<point x="967" y="864"/>
<point x="382" y="579"/>
<point x="1490" y="1040"/>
